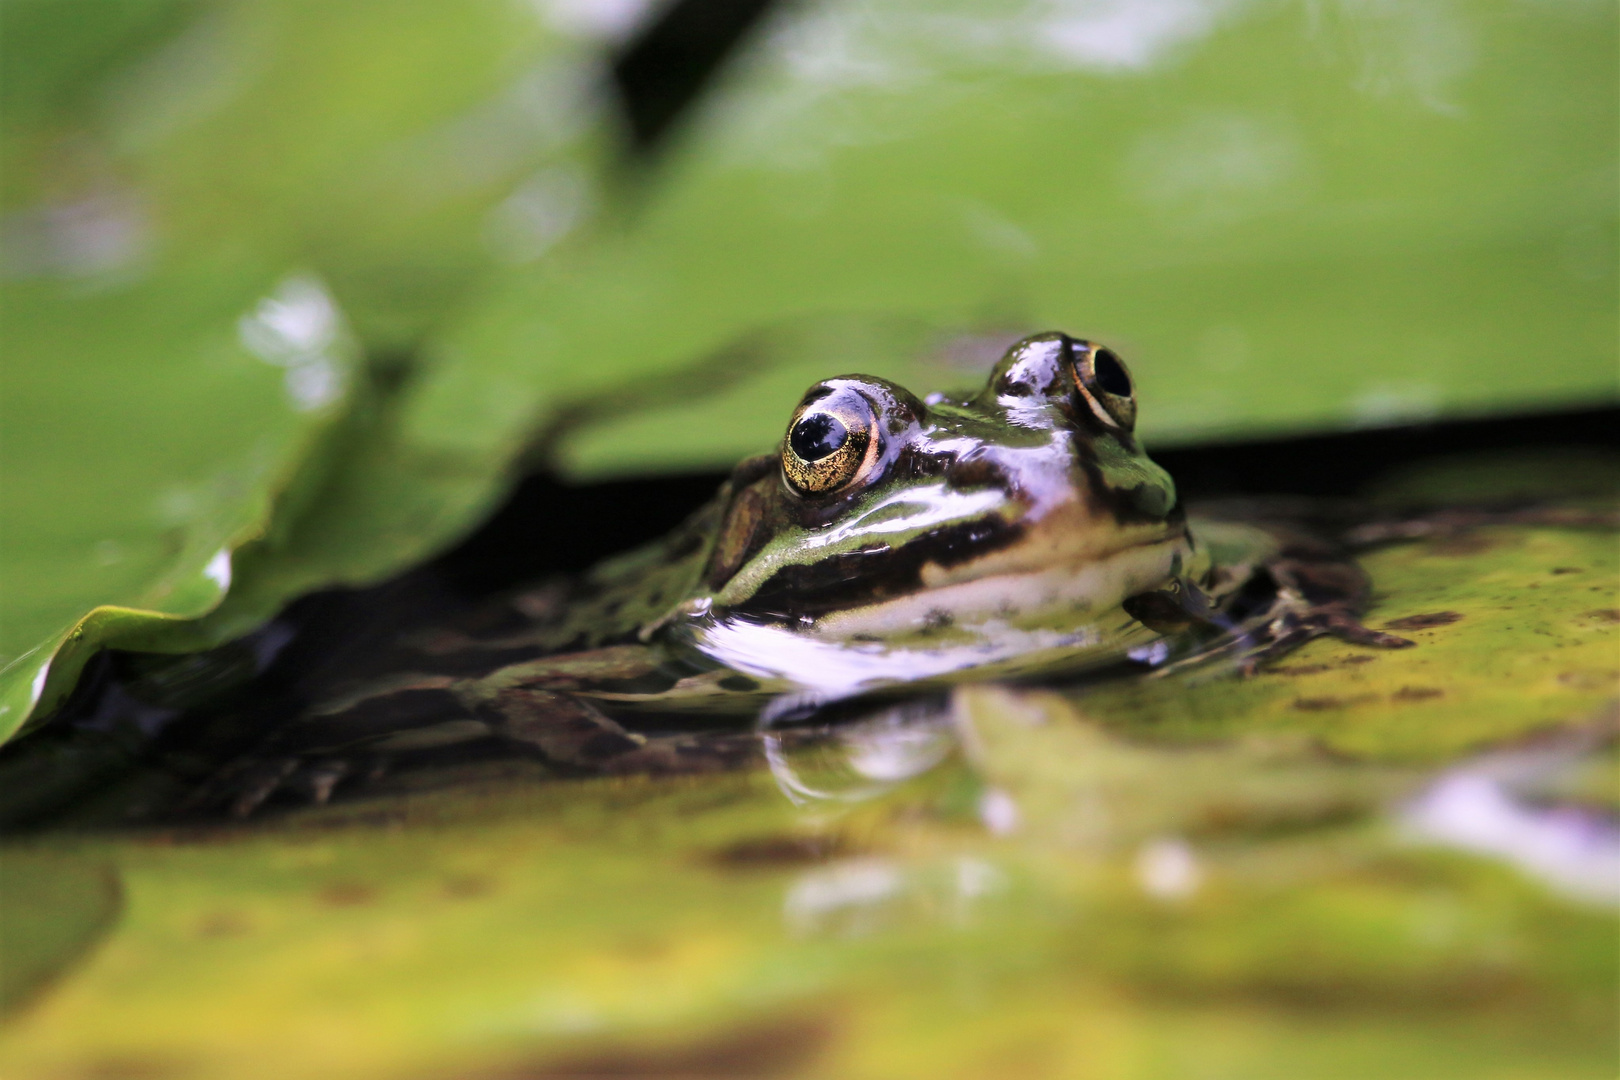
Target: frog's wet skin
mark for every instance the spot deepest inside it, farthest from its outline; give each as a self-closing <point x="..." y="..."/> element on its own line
<point x="889" y="543"/>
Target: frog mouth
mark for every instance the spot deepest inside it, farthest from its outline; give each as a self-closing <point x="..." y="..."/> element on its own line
<point x="1017" y="593"/>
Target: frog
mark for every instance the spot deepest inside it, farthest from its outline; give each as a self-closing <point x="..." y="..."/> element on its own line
<point x="888" y="545"/>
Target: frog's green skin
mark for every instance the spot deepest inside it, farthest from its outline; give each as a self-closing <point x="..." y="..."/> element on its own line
<point x="1018" y="531"/>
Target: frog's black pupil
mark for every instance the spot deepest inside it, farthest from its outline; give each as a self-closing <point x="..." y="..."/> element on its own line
<point x="1111" y="373"/>
<point x="818" y="435"/>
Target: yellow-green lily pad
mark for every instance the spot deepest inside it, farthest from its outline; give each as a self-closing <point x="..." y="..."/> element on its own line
<point x="1516" y="631"/>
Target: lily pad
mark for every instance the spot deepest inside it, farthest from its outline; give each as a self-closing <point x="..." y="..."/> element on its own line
<point x="125" y="518"/>
<point x="1287" y="220"/>
<point x="56" y="908"/>
<point x="1515" y="633"/>
<point x="203" y="210"/>
<point x="551" y="928"/>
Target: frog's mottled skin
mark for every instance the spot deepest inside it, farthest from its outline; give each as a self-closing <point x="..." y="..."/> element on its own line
<point x="889" y="542"/>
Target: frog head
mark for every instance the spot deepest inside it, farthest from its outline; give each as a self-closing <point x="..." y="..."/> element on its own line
<point x="883" y="517"/>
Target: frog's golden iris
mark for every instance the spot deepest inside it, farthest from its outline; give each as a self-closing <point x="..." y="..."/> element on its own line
<point x="831" y="442"/>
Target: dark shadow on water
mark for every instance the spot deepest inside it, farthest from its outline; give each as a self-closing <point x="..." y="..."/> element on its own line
<point x="1344" y="463"/>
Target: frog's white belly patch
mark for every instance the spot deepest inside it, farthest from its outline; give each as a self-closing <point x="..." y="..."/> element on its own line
<point x="833" y="670"/>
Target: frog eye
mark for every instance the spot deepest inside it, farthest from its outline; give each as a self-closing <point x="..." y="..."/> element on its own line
<point x="1106" y="385"/>
<point x="830" y="443"/>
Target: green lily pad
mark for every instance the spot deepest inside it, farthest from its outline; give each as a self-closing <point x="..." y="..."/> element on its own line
<point x="125" y="518"/>
<point x="1285" y="220"/>
<point x="209" y="210"/>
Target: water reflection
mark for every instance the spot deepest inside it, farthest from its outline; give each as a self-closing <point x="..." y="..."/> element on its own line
<point x="607" y="21"/>
<point x="1044" y="775"/>
<point x="886" y="43"/>
<point x="850" y="894"/>
<point x="298" y="328"/>
<point x="999" y="812"/>
<point x="1167" y="869"/>
<point x="866" y="896"/>
<point x="863" y="759"/>
<point x="830" y="50"/>
<point x="1490" y="807"/>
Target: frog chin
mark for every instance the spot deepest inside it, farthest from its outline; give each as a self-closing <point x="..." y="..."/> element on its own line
<point x="1027" y="596"/>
